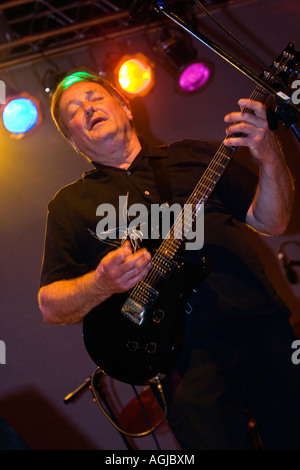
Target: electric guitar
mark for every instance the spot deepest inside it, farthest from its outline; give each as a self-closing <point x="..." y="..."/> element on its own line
<point x="135" y="336"/>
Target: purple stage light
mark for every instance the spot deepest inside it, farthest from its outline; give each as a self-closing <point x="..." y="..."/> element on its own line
<point x="194" y="76"/>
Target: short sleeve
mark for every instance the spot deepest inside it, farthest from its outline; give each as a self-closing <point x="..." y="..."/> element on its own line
<point x="61" y="258"/>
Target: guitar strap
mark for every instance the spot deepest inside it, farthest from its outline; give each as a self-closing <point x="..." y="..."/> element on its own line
<point x="162" y="179"/>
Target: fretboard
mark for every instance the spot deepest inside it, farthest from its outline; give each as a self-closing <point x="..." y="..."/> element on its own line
<point x="163" y="259"/>
<point x="202" y="191"/>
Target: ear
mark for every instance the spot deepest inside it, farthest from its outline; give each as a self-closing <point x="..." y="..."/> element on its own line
<point x="127" y="111"/>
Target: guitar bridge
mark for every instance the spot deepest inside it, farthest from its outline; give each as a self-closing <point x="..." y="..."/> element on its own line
<point x="134" y="311"/>
<point x="135" y="307"/>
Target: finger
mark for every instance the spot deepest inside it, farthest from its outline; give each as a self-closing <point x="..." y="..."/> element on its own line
<point x="244" y="128"/>
<point x="118" y="256"/>
<point x="135" y="271"/>
<point x="237" y="117"/>
<point x="258" y="111"/>
<point x="138" y="276"/>
<point x="240" y="142"/>
<point x="251" y="141"/>
<point x="256" y="106"/>
<point x="140" y="258"/>
<point x="130" y="279"/>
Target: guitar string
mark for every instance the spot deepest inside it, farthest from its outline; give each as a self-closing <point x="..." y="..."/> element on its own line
<point x="221" y="159"/>
<point x="204" y="187"/>
<point x="218" y="165"/>
<point x="217" y="162"/>
<point x="223" y="150"/>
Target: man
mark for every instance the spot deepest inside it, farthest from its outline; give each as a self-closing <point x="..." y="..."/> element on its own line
<point x="237" y="347"/>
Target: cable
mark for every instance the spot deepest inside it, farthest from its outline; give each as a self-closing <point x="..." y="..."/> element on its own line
<point x="246" y="48"/>
<point x="141" y="434"/>
<point x="146" y="416"/>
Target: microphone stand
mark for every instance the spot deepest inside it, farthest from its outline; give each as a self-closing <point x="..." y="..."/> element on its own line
<point x="72" y="396"/>
<point x="285" y="107"/>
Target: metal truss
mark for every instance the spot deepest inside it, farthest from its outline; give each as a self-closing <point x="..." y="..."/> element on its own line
<point x="33" y="29"/>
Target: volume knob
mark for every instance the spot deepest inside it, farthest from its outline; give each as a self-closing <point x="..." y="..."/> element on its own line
<point x="151" y="347"/>
<point x="132" y="346"/>
<point x="158" y="315"/>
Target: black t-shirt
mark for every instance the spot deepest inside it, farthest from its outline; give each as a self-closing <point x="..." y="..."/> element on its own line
<point x="237" y="284"/>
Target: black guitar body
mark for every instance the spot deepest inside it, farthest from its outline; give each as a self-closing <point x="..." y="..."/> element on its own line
<point x="135" y="353"/>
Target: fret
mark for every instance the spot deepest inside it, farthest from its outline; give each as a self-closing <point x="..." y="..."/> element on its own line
<point x="168" y="248"/>
<point x="175" y="234"/>
<point x="204" y="185"/>
<point x="194" y="199"/>
<point x="194" y="202"/>
<point x="215" y="172"/>
<point x="208" y="178"/>
<point x="224" y="155"/>
<point x="200" y="191"/>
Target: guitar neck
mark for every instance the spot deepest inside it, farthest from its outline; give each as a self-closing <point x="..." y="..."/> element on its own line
<point x="163" y="260"/>
<point x="170" y="245"/>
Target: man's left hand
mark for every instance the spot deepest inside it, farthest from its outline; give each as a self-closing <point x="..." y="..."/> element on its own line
<point x="258" y="137"/>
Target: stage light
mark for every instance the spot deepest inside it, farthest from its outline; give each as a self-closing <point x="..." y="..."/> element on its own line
<point x="135" y="75"/>
<point x="21" y="114"/>
<point x="194" y="76"/>
<point x="191" y="73"/>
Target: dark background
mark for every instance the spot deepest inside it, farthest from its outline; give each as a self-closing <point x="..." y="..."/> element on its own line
<point x="44" y="363"/>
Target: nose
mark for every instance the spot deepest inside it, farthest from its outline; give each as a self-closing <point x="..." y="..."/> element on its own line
<point x="87" y="108"/>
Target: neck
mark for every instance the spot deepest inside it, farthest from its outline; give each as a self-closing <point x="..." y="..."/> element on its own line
<point x="130" y="152"/>
<point x="120" y="156"/>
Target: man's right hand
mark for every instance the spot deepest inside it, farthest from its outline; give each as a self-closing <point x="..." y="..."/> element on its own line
<point x="120" y="270"/>
<point x="68" y="301"/>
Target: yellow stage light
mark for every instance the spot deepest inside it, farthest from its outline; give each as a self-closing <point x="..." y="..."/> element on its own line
<point x="135" y="75"/>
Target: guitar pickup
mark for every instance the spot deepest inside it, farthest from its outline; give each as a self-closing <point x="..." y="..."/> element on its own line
<point x="163" y="266"/>
<point x="146" y="294"/>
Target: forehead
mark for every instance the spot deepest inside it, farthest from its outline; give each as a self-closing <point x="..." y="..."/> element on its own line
<point x="81" y="90"/>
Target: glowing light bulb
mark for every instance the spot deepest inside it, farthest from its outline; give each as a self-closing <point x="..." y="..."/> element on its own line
<point x="135" y="76"/>
<point x="194" y="76"/>
<point x="20" y="115"/>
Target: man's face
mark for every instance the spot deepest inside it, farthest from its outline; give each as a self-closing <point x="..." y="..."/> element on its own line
<point x="97" y="124"/>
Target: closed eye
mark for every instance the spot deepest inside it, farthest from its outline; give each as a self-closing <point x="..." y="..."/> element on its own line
<point x="96" y="98"/>
<point x="73" y="110"/>
<point x="75" y="106"/>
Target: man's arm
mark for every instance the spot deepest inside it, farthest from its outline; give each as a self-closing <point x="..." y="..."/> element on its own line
<point x="68" y="301"/>
<point x="271" y="208"/>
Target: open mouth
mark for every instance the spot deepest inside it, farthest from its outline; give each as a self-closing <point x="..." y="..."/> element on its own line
<point x="96" y="121"/>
